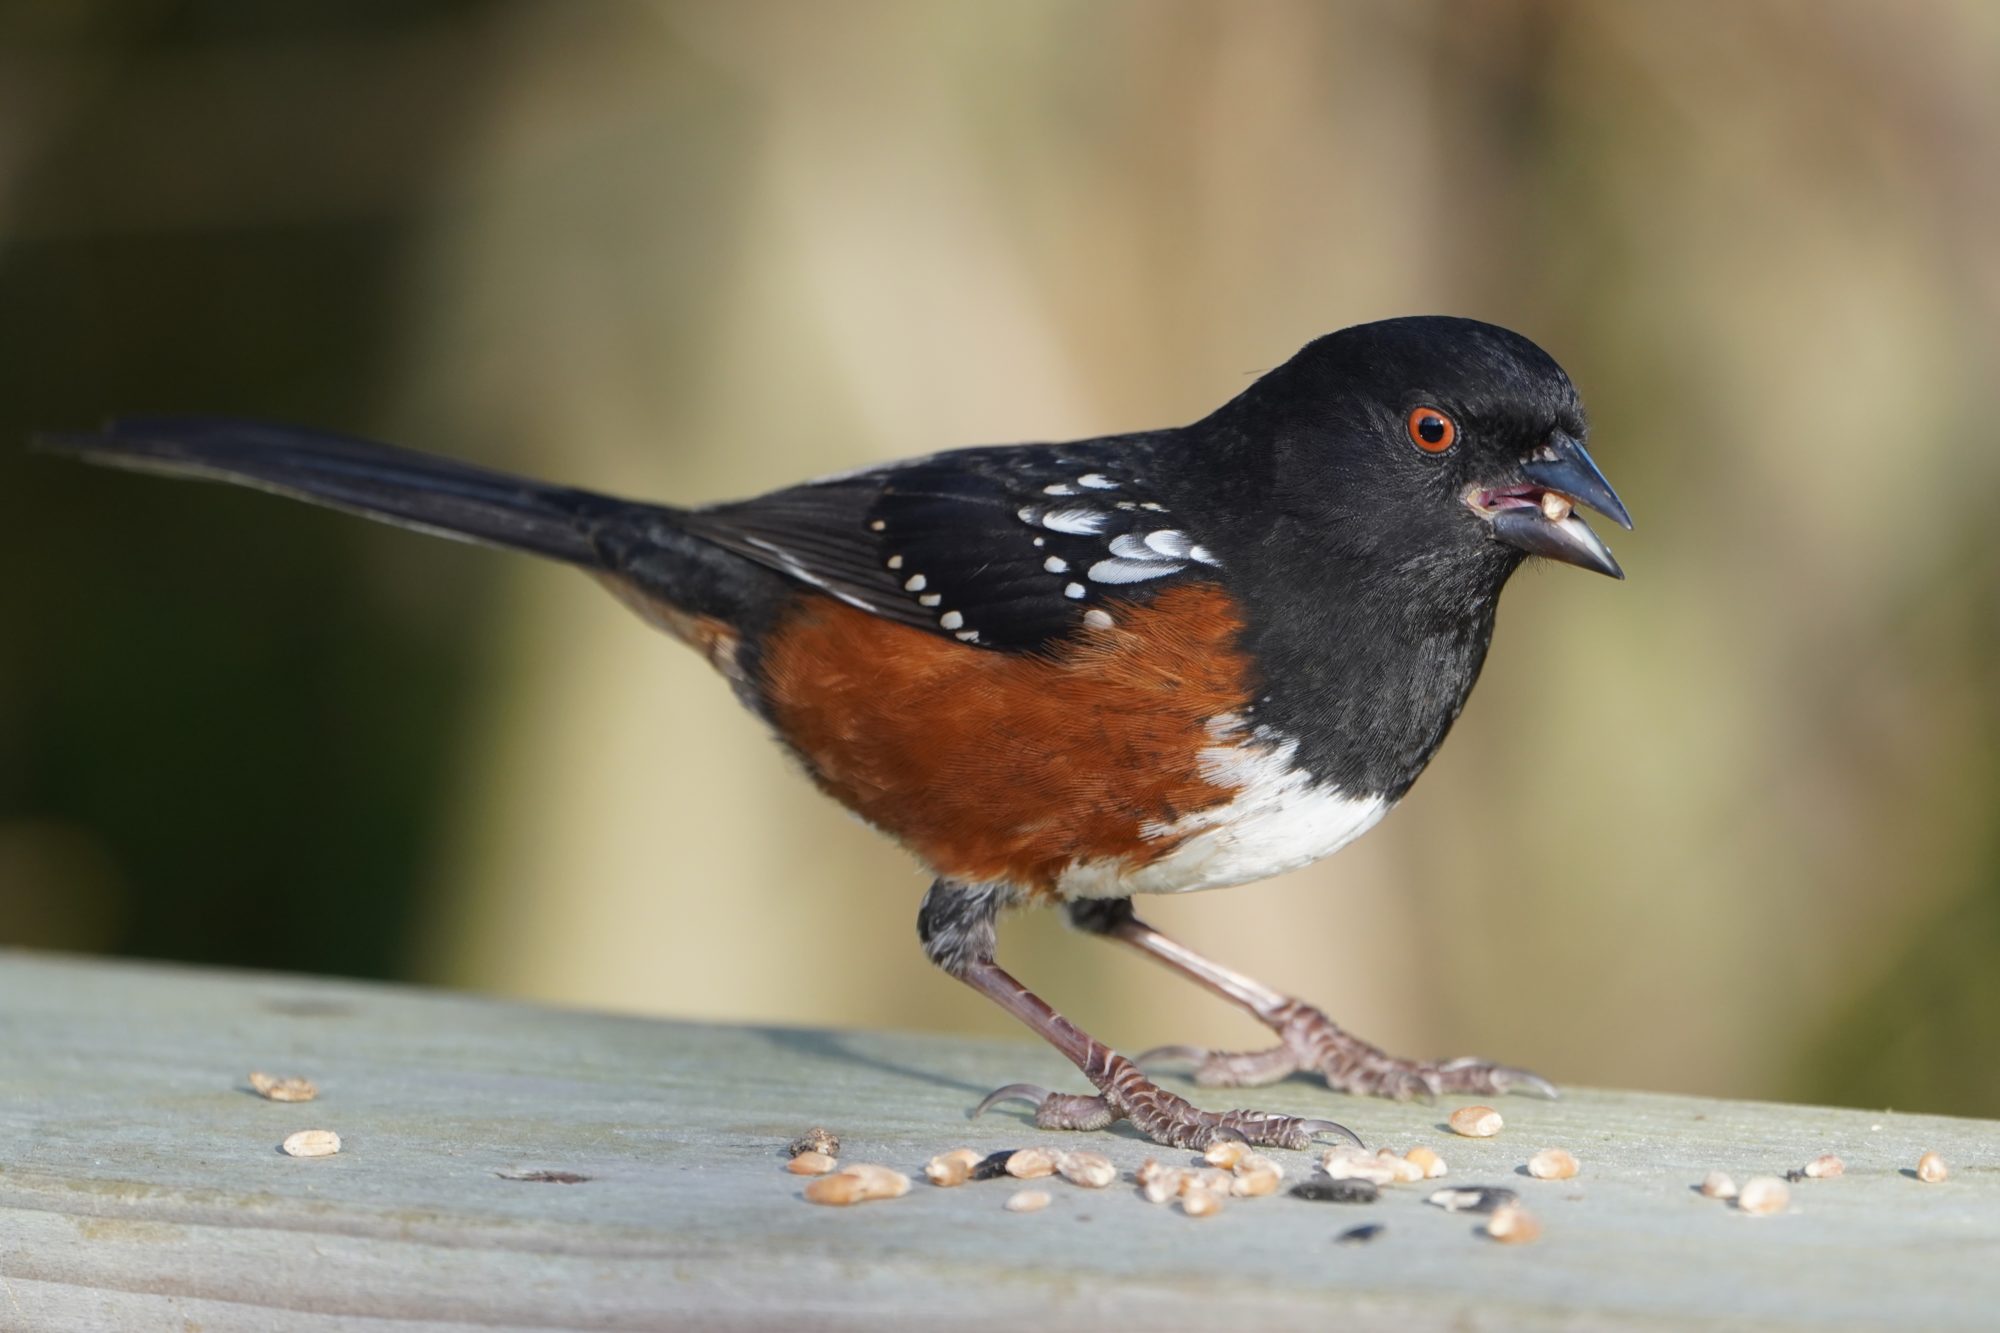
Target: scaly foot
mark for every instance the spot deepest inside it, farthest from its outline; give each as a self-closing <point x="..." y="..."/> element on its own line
<point x="1160" y="1115"/>
<point x="1310" y="1040"/>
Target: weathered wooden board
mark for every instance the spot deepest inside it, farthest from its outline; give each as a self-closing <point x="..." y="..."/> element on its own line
<point x="141" y="1187"/>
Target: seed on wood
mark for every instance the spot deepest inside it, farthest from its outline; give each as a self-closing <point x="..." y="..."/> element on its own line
<point x="1028" y="1201"/>
<point x="1433" y="1166"/>
<point x="879" y="1182"/>
<point x="1401" y="1169"/>
<point x="1356" y="1164"/>
<point x="1225" y="1153"/>
<point x="836" y="1191"/>
<point x="993" y="1164"/>
<point x="274" y="1089"/>
<point x="1360" y="1235"/>
<point x="1764" y="1194"/>
<point x="1931" y="1168"/>
<point x="1552" y="1164"/>
<point x="1091" y="1170"/>
<point x="814" y="1140"/>
<point x="947" y="1169"/>
<point x="1512" y="1224"/>
<point x="1201" y="1203"/>
<point x="1322" y="1189"/>
<point x="1824" y="1167"/>
<point x="1031" y="1164"/>
<point x="811" y="1164"/>
<point x="1256" y="1176"/>
<point x="1474" y="1198"/>
<point x="312" y="1143"/>
<point x="1476" y="1122"/>
<point x="1717" y="1185"/>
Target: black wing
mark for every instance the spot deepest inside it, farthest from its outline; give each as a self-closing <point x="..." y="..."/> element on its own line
<point x="1002" y="547"/>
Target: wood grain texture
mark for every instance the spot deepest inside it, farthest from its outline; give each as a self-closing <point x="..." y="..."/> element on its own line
<point x="141" y="1187"/>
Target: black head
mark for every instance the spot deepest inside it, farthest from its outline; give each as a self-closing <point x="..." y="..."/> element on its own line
<point x="1429" y="440"/>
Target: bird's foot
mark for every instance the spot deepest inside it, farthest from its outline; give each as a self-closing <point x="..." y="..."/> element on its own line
<point x="1160" y="1115"/>
<point x="1310" y="1040"/>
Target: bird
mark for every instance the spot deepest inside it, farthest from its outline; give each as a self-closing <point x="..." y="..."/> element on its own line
<point x="1066" y="675"/>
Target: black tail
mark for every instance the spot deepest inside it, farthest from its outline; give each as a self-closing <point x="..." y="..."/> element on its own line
<point x="379" y="481"/>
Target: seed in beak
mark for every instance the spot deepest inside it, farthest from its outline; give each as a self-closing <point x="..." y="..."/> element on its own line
<point x="1555" y="508"/>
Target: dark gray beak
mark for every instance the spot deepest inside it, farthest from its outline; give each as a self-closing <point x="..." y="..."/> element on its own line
<point x="1563" y="467"/>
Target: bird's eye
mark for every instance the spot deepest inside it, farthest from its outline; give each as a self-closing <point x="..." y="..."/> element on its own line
<point x="1431" y="430"/>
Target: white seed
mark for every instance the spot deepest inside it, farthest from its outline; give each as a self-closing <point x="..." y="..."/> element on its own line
<point x="1401" y="1169"/>
<point x="947" y="1169"/>
<point x="1764" y="1194"/>
<point x="811" y="1164"/>
<point x="1091" y="1170"/>
<point x="1256" y="1176"/>
<point x="1028" y="1201"/>
<point x="1476" y="1122"/>
<point x="276" y="1089"/>
<point x="1552" y="1164"/>
<point x="876" y="1182"/>
<point x="1433" y="1165"/>
<point x="1226" y="1153"/>
<point x="1931" y="1168"/>
<point x="1201" y="1203"/>
<point x="1356" y="1164"/>
<point x="1031" y="1164"/>
<point x="1512" y="1224"/>
<point x="312" y="1143"/>
<point x="1211" y="1178"/>
<point x="1717" y="1185"/>
<point x="1825" y="1167"/>
<point x="1555" y="508"/>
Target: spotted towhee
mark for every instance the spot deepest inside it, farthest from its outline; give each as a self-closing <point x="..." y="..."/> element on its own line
<point x="1071" y="673"/>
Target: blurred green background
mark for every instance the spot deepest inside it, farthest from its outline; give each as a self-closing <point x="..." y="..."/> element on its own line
<point x="1728" y="827"/>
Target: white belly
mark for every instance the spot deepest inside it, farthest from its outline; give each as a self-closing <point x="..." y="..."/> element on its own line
<point x="1279" y="820"/>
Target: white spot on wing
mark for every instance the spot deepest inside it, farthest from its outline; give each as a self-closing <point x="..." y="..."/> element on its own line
<point x="895" y="562"/>
<point x="914" y="583"/>
<point x="1075" y="590"/>
<point x="1097" y="481"/>
<point x="1170" y="542"/>
<point x="876" y="525"/>
<point x="1203" y="554"/>
<point x="1131" y="571"/>
<point x="1076" y="522"/>
<point x="1058" y="489"/>
<point x="1055" y="564"/>
<point x="967" y="636"/>
<point x="930" y="599"/>
<point x="1101" y="619"/>
<point x="951" y="619"/>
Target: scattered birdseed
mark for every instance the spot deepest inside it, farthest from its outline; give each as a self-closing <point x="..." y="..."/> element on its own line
<point x="1824" y="1167"/>
<point x="1931" y="1168"/>
<point x="1157" y="1182"/>
<point x="1474" y="1198"/>
<point x="1201" y="1203"/>
<point x="1031" y="1164"/>
<point x="1326" y="1190"/>
<point x="811" y="1164"/>
<point x="1091" y="1170"/>
<point x="951" y="1168"/>
<point x="858" y="1184"/>
<point x="1476" y="1122"/>
<point x="312" y="1143"/>
<point x="1357" y="1164"/>
<point x="1764" y="1194"/>
<point x="1512" y="1224"/>
<point x="1552" y="1164"/>
<point x="1028" y="1201"/>
<point x="1401" y="1169"/>
<point x="1211" y="1178"/>
<point x="275" y="1089"/>
<point x="1256" y="1176"/>
<point x="1717" y="1185"/>
<point x="814" y="1140"/>
<point x="993" y="1164"/>
<point x="1225" y="1153"/>
<point x="1433" y="1165"/>
<point x="1360" y="1235"/>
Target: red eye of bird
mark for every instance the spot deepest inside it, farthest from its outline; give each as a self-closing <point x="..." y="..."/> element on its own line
<point x="1431" y="430"/>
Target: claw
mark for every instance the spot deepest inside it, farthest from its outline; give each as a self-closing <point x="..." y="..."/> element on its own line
<point x="1314" y="1128"/>
<point x="1503" y="1078"/>
<point x="1013" y="1092"/>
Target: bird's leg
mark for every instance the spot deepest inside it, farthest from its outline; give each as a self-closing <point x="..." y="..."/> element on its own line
<point x="957" y="928"/>
<point x="1308" y="1039"/>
